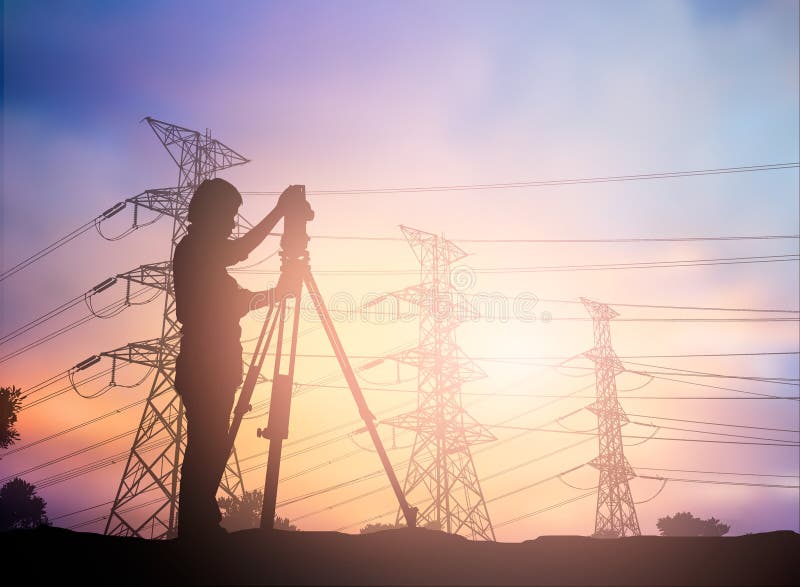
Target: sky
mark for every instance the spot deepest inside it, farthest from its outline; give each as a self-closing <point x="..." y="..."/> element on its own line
<point x="351" y="95"/>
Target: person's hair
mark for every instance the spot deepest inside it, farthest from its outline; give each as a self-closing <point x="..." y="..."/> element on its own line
<point x="212" y="197"/>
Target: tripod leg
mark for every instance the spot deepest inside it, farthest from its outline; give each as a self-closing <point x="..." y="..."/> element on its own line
<point x="253" y="371"/>
<point x="409" y="512"/>
<point x="271" y="484"/>
<point x="280" y="404"/>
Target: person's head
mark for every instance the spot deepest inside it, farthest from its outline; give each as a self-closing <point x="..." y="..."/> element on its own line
<point x="214" y="206"/>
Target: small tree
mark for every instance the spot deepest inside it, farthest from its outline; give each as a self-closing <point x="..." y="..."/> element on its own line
<point x="379" y="527"/>
<point x="685" y="524"/>
<point x="20" y="507"/>
<point x="284" y="524"/>
<point x="9" y="406"/>
<point x="245" y="512"/>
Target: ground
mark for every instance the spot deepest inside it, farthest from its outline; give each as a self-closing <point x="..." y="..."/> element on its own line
<point x="397" y="557"/>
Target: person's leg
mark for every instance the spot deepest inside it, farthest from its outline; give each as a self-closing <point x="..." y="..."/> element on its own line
<point x="218" y="425"/>
<point x="189" y="516"/>
<point x="207" y="419"/>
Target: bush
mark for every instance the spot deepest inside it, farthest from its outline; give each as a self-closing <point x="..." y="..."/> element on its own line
<point x="685" y="524"/>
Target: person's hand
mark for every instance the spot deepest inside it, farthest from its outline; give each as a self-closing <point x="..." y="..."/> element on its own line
<point x="286" y="197"/>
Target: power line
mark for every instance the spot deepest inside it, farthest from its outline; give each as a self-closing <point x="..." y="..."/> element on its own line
<point x="487" y="394"/>
<point x="73" y="428"/>
<point x="673" y="307"/>
<point x="716" y="472"/>
<point x="61" y="391"/>
<point x="114" y="307"/>
<point x="70" y="455"/>
<point x="561" y="396"/>
<point x="777" y="380"/>
<point x="377" y="473"/>
<point x="542" y="183"/>
<point x="560" y="358"/>
<point x="692" y="373"/>
<point x="497" y="474"/>
<point x="545" y="509"/>
<point x="657" y="375"/>
<point x="535" y="483"/>
<point x="716" y="423"/>
<point x="491" y="446"/>
<point x="695" y="431"/>
<point x="558" y="268"/>
<point x="720" y="387"/>
<point x="631" y="436"/>
<point x="372" y="475"/>
<point x="491" y="394"/>
<point x="78" y="471"/>
<point x="484" y="449"/>
<point x="125" y="510"/>
<point x="45" y="383"/>
<point x="336" y="311"/>
<point x="113" y="459"/>
<point x="41" y="319"/>
<point x="86" y="509"/>
<point x="577" y="241"/>
<point x="717" y="482"/>
<point x="49" y="249"/>
<point x="642" y="264"/>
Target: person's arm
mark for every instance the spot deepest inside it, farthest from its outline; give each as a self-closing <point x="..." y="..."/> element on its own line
<point x="247" y="301"/>
<point x="255" y="300"/>
<point x="256" y="235"/>
<point x="244" y="245"/>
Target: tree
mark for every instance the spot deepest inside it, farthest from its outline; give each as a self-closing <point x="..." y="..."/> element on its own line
<point x="379" y="527"/>
<point x="433" y="525"/>
<point x="20" y="507"/>
<point x="9" y="406"/>
<point x="284" y="524"/>
<point x="685" y="524"/>
<point x="245" y="512"/>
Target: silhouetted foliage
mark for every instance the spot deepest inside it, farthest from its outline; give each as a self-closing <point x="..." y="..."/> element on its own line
<point x="9" y="406"/>
<point x="244" y="513"/>
<point x="379" y="527"/>
<point x="284" y="524"/>
<point x="685" y="524"/>
<point x="20" y="507"/>
<point x="433" y="525"/>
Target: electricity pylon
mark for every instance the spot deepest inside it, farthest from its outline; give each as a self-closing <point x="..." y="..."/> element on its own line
<point x="616" y="512"/>
<point x="146" y="503"/>
<point x="441" y="479"/>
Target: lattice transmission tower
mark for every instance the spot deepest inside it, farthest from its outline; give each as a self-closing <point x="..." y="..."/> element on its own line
<point x="616" y="512"/>
<point x="146" y="502"/>
<point x="441" y="479"/>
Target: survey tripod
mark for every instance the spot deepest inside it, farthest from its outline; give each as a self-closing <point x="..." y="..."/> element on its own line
<point x="296" y="272"/>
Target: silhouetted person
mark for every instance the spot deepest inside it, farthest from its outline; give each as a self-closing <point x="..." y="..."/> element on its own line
<point x="209" y="304"/>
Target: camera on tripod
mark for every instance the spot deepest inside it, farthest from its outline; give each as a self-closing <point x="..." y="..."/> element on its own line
<point x="297" y="213"/>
